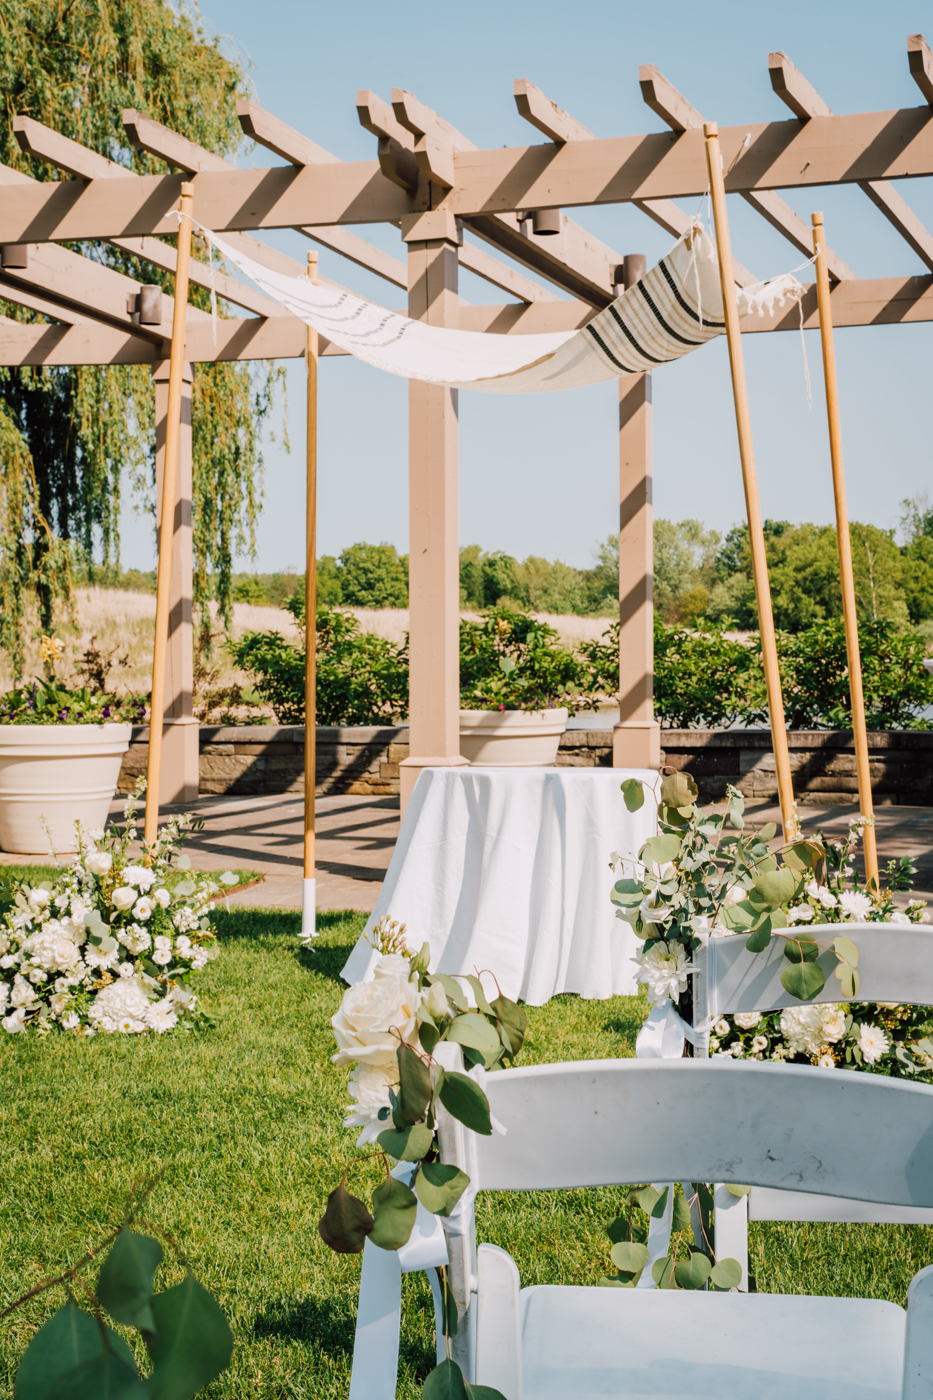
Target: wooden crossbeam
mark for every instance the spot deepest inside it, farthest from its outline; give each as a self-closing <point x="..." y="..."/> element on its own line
<point x="839" y="150"/>
<point x="920" y="63"/>
<point x="806" y="103"/>
<point x="293" y="147"/>
<point x="177" y="150"/>
<point x="573" y="260"/>
<point x="662" y="97"/>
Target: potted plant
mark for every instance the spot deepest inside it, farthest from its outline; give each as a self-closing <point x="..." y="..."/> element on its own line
<point x="521" y="686"/>
<point x="60" y="754"/>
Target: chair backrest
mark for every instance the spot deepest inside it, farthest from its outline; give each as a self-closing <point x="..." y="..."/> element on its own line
<point x="895" y="965"/>
<point x="594" y="1123"/>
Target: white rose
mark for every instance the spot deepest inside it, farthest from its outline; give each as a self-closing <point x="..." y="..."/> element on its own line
<point x="759" y="1043"/>
<point x="99" y="863"/>
<point x="142" y="909"/>
<point x="735" y="895"/>
<point x="392" y="965"/>
<point x="826" y="1061"/>
<point x="23" y="992"/>
<point x="833" y="1023"/>
<point x="162" y="898"/>
<point x="722" y="1026"/>
<point x="747" y="1019"/>
<point x="899" y="917"/>
<point x="124" y="898"/>
<point x="371" y="1018"/>
<point x="16" y="1021"/>
<point x="800" y="914"/>
<point x="162" y="956"/>
<point x="9" y="960"/>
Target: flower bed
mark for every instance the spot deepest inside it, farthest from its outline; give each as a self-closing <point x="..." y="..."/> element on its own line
<point x="110" y="945"/>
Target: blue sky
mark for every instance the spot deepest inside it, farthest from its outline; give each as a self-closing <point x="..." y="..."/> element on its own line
<point x="540" y="474"/>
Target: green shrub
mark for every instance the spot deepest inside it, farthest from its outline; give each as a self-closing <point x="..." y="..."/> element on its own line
<point x="706" y="680"/>
<point x="361" y="678"/>
<point x="510" y="661"/>
<point x="815" y="677"/>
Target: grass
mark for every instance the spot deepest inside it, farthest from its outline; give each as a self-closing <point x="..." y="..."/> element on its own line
<point x="247" y="1120"/>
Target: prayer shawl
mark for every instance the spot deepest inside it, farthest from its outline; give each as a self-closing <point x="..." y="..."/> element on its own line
<point x="674" y="309"/>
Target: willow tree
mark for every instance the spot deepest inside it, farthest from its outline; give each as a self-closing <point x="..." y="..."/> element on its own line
<point x="73" y="439"/>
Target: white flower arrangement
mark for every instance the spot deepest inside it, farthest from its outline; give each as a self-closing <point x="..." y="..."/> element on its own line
<point x="100" y="948"/>
<point x="880" y="1039"/>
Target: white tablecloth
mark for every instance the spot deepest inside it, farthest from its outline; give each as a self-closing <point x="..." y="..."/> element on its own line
<point x="508" y="870"/>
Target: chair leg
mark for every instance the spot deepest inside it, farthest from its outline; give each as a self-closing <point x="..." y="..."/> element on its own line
<point x="918" y="1343"/>
<point x="498" y="1322"/>
<point x="730" y="1229"/>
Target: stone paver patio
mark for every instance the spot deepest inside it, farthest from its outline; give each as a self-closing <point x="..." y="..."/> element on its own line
<point x="356" y="837"/>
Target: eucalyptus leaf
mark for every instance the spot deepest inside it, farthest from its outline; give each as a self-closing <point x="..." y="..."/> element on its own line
<point x="409" y="1145"/>
<point x="803" y="980"/>
<point x="345" y="1223"/>
<point x="70" y="1338"/>
<point x="485" y="1392"/>
<point x="193" y="1341"/>
<point x="846" y="950"/>
<point x="681" y="1214"/>
<point x="726" y="1273"/>
<point x="737" y="1190"/>
<point x="481" y="1003"/>
<point x="777" y="886"/>
<point x="766" y="832"/>
<point x="515" y="1020"/>
<point x="415" y="1087"/>
<point x="455" y="993"/>
<point x="183" y="862"/>
<point x="465" y="1100"/>
<point x="661" y="849"/>
<point x="451" y="1314"/>
<point x="394" y="1209"/>
<point x="629" y="1258"/>
<point x="647" y="1198"/>
<point x="758" y="941"/>
<point x="429" y="1035"/>
<point x="124" y="1284"/>
<point x="662" y="1271"/>
<point x="439" y="1187"/>
<point x="474" y="1030"/>
<point x="679" y="790"/>
<point x="692" y="1272"/>
<point x="633" y="794"/>
<point x="801" y="946"/>
<point x="104" y="1377"/>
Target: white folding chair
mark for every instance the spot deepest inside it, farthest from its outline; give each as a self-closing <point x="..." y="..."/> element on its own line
<point x="595" y="1123"/>
<point x="895" y="966"/>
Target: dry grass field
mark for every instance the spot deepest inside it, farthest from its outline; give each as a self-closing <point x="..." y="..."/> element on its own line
<point x="120" y="625"/>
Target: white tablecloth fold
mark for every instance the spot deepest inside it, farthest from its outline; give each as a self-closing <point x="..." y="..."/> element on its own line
<point x="508" y="870"/>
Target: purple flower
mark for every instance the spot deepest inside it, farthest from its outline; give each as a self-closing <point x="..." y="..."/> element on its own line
<point x="106" y="712"/>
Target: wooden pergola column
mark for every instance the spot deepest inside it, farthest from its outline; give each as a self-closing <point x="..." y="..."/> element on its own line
<point x="179" y="775"/>
<point x="433" y="545"/>
<point x="636" y="739"/>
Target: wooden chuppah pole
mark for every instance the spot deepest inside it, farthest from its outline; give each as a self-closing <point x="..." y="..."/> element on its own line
<point x="309" y="882"/>
<point x="845" y="550"/>
<point x="166" y="516"/>
<point x="750" y="479"/>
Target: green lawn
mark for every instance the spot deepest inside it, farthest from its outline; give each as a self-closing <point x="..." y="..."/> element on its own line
<point x="246" y="1118"/>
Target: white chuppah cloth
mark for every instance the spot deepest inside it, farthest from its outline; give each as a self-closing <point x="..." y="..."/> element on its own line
<point x="508" y="870"/>
<point x="673" y="310"/>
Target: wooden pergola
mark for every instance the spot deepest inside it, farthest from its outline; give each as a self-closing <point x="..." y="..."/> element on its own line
<point x="432" y="183"/>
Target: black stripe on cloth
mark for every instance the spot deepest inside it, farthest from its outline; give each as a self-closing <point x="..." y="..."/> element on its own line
<point x="606" y="351"/>
<point x="626" y="332"/>
<point x="665" y="273"/>
<point x="670" y="329"/>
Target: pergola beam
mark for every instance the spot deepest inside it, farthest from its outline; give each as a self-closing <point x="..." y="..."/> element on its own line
<point x="292" y="146"/>
<point x="806" y="103"/>
<point x="920" y="63"/>
<point x="177" y="150"/>
<point x="662" y="97"/>
<point x="617" y="170"/>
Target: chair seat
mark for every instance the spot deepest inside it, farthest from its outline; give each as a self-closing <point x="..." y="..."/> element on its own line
<point x="579" y="1343"/>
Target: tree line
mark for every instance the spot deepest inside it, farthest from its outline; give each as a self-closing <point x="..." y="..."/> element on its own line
<point x="701" y="577"/>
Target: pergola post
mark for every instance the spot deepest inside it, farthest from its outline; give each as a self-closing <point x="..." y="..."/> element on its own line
<point x="636" y="739"/>
<point x="179" y="772"/>
<point x="433" y="544"/>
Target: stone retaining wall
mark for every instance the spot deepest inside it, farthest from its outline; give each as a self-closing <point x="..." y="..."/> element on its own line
<point x="269" y="759"/>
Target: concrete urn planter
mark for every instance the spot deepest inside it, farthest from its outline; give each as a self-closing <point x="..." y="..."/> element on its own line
<point x="60" y="772"/>
<point x="511" y="738"/>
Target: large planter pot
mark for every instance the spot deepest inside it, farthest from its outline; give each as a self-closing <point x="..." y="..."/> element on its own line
<point x="511" y="738"/>
<point x="60" y="772"/>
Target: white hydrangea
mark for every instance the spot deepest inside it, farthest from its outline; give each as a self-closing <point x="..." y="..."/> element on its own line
<point x="121" y="1006"/>
<point x="185" y="920"/>
<point x="51" y="948"/>
<point x="808" y="1028"/>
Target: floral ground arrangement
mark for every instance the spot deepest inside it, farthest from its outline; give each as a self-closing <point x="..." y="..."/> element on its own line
<point x="111" y="944"/>
<point x="246" y="1115"/>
